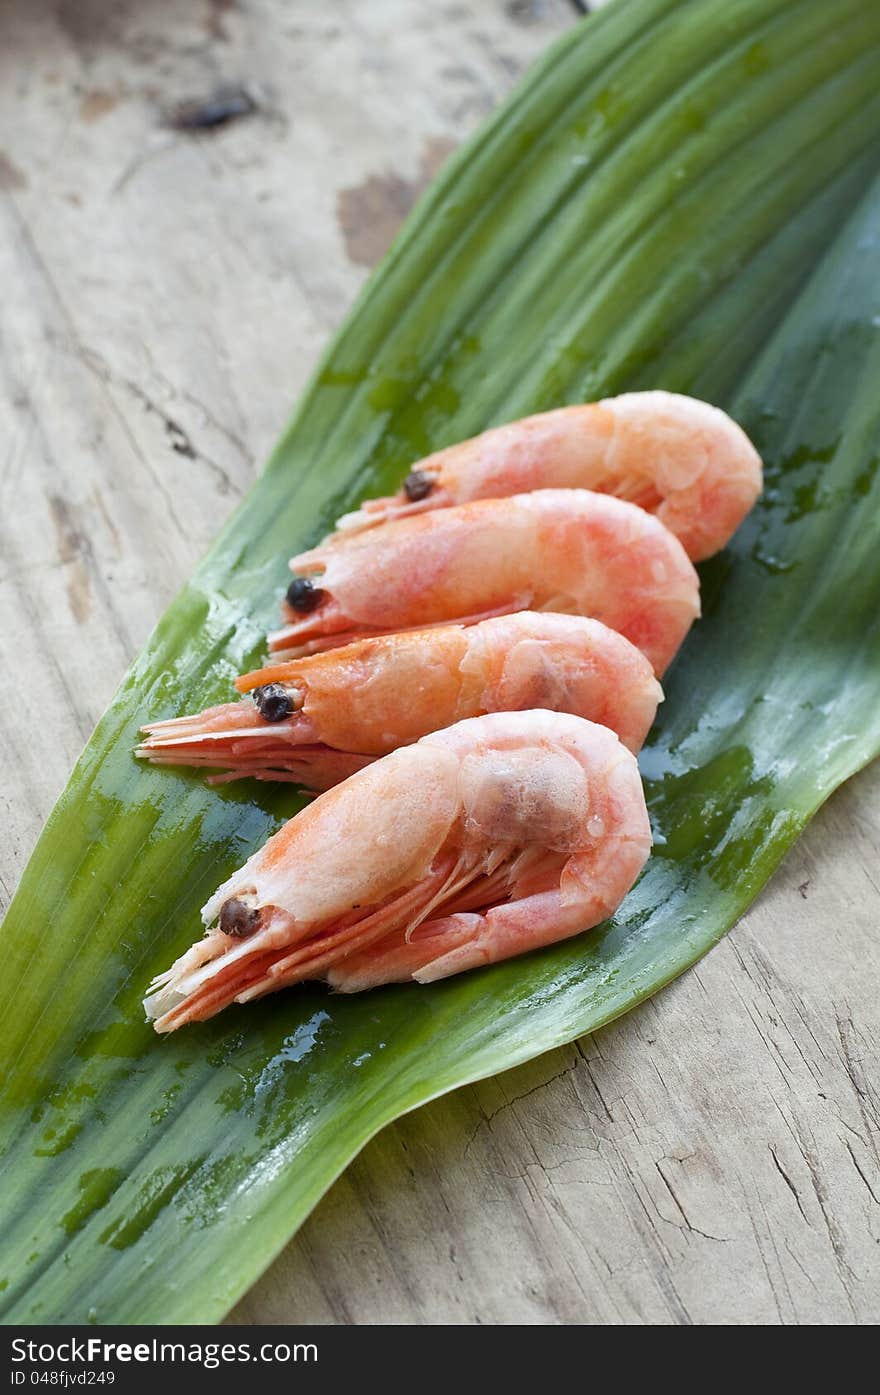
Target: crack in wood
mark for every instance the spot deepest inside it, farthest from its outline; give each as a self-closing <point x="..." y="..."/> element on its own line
<point x="788" y="1182"/>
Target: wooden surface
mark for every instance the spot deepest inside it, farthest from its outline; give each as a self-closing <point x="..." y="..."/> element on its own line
<point x="713" y="1158"/>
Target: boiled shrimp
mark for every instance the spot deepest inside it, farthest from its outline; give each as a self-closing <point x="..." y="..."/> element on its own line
<point x="564" y="550"/>
<point x="319" y="719"/>
<point x="496" y="836"/>
<point x="681" y="459"/>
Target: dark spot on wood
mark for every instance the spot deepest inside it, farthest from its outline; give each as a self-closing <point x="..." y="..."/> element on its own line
<point x="224" y="105"/>
<point x="73" y="554"/>
<point x="213" y="24"/>
<point x="526" y="11"/>
<point x="179" y="439"/>
<point x="370" y="214"/>
<point x="180" y="442"/>
<point x="82" y="20"/>
<point x="11" y="177"/>
<point x="79" y="592"/>
<point x="68" y="539"/>
<point x="96" y="104"/>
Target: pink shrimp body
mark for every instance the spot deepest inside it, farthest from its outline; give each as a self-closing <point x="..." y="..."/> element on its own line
<point x="496" y="836"/>
<point x="353" y="704"/>
<point x="563" y="550"/>
<point x="680" y="458"/>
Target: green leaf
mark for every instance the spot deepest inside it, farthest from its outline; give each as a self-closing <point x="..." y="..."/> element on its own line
<point x="679" y="195"/>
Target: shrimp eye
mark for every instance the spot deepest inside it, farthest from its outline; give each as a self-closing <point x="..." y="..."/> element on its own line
<point x="237" y="919"/>
<point x="417" y="485"/>
<point x="304" y="595"/>
<point x="273" y="702"/>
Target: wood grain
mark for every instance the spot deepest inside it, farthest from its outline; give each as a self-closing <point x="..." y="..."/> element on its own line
<point x="712" y="1158"/>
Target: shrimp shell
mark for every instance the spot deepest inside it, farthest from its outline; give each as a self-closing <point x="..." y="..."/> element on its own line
<point x="680" y="458"/>
<point x="567" y="550"/>
<point x="500" y="834"/>
<point x="353" y="704"/>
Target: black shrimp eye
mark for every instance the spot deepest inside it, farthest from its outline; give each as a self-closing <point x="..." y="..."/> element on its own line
<point x="273" y="702"/>
<point x="237" y="919"/>
<point x="304" y="595"/>
<point x="417" y="485"/>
